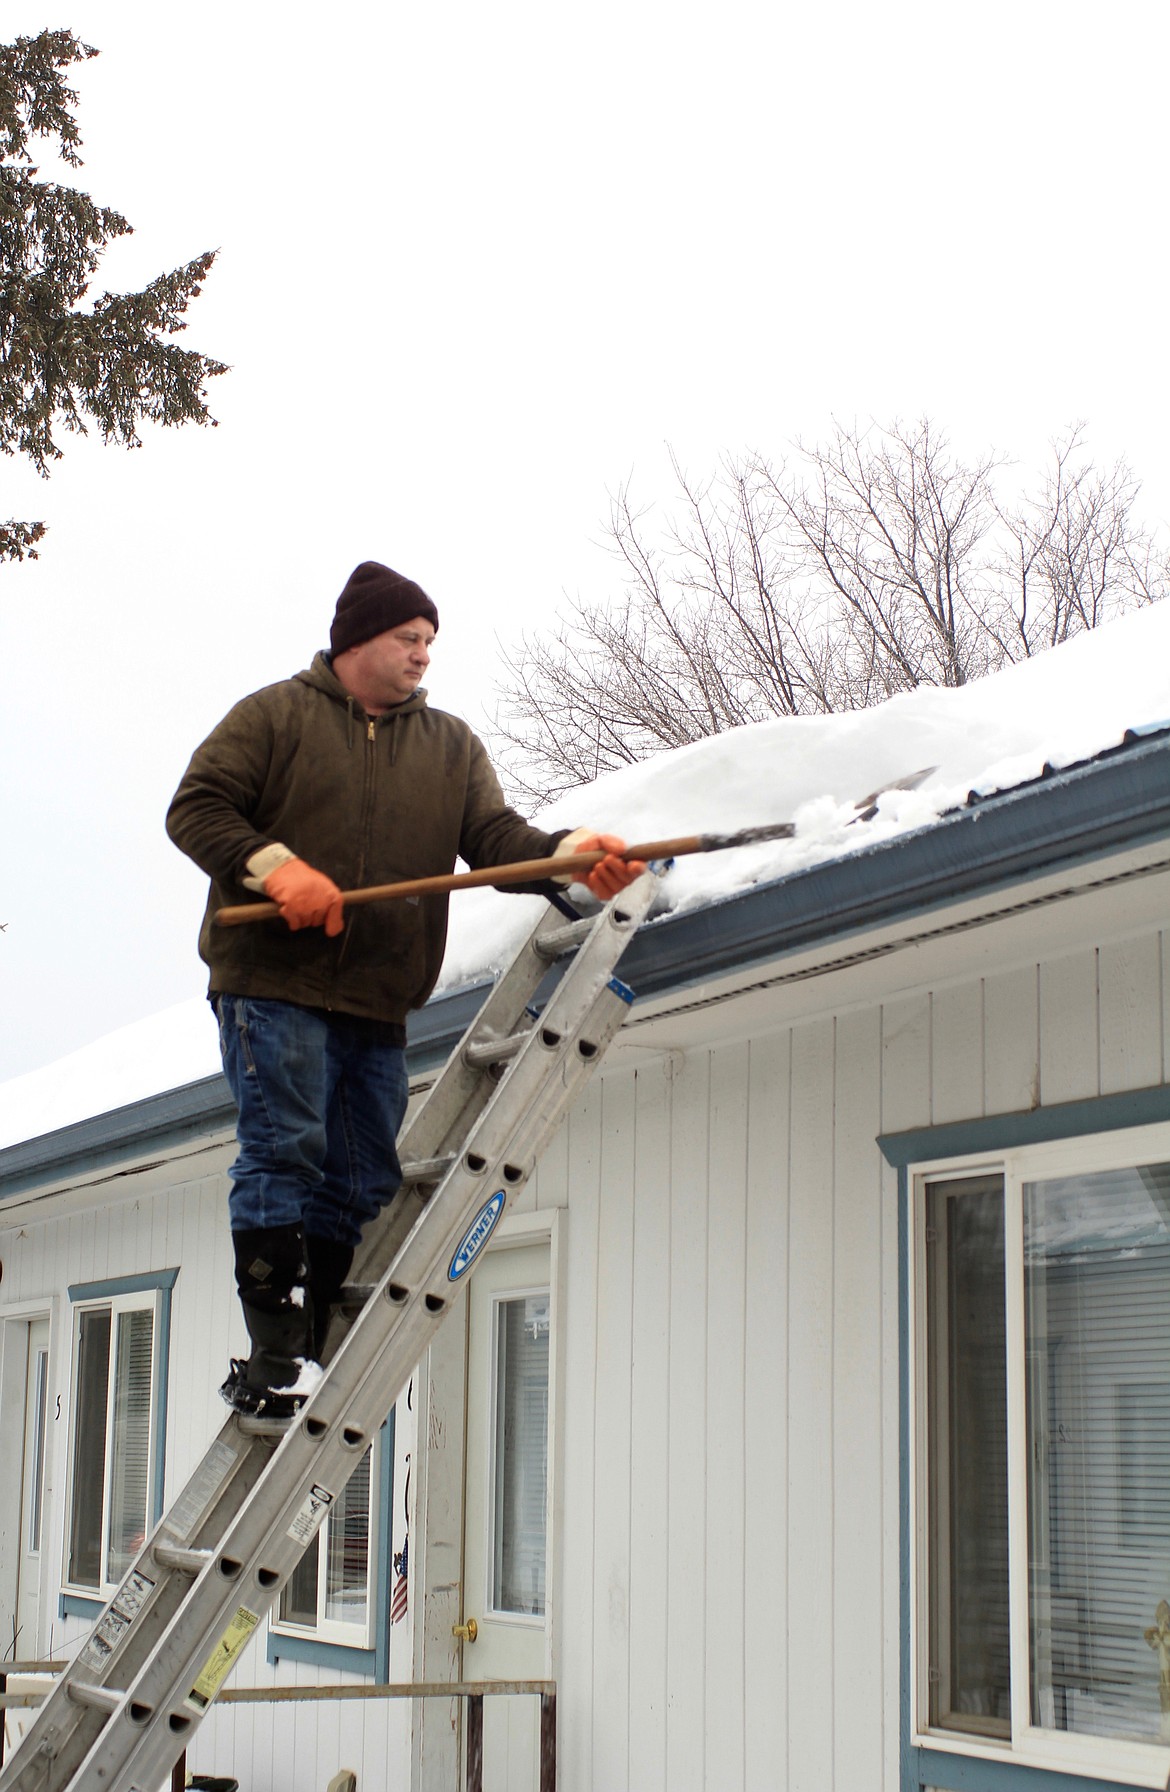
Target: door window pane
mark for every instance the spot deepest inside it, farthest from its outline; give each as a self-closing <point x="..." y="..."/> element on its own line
<point x="520" y="1454"/>
<point x="130" y="1451"/>
<point x="89" y="1447"/>
<point x="1097" y="1299"/>
<point x="969" y="1666"/>
<point x="37" y="1466"/>
<point x="112" y="1441"/>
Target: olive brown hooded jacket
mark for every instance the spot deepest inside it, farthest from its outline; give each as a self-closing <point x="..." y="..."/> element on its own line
<point x="367" y="800"/>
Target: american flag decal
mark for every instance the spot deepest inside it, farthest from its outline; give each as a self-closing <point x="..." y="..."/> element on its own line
<point x="398" y="1595"/>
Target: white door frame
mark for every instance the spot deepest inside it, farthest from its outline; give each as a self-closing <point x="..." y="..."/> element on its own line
<point x="438" y="1473"/>
<point x="16" y="1322"/>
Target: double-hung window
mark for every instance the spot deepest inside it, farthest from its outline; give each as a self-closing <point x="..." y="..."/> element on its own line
<point x="1041" y="1492"/>
<point x="116" y="1433"/>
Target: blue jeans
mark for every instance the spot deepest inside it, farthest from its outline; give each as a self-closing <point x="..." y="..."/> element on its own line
<point x="319" y="1105"/>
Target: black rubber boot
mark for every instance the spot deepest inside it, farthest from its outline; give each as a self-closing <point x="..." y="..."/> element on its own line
<point x="329" y="1264"/>
<point x="272" y="1276"/>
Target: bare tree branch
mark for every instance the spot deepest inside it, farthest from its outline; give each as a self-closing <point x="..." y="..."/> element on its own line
<point x="870" y="564"/>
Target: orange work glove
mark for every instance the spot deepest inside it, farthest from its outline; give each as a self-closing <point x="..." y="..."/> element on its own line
<point x="306" y="898"/>
<point x="610" y="874"/>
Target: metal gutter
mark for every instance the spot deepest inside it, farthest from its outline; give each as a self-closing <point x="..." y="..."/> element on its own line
<point x="1116" y="800"/>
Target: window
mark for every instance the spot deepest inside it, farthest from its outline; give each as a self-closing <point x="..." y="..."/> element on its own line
<point x="330" y="1592"/>
<point x="1042" y="1496"/>
<point x="334" y="1609"/>
<point x="115" y="1455"/>
<point x="520" y="1454"/>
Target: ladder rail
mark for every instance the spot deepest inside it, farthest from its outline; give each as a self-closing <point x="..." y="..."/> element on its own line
<point x="234" y="1528"/>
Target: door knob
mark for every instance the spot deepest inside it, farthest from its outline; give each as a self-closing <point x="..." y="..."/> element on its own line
<point x="466" y="1633"/>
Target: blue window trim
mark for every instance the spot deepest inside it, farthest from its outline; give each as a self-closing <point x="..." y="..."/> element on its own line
<point x="154" y="1281"/>
<point x="923" y="1767"/>
<point x="77" y="1605"/>
<point x="341" y="1656"/>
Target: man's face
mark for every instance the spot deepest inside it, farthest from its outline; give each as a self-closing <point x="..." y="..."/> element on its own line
<point x="394" y="662"/>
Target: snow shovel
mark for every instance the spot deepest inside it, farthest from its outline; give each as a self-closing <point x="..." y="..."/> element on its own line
<point x="526" y="871"/>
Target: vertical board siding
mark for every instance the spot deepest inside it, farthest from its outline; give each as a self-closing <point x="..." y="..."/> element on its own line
<point x="956" y="1053"/>
<point x="579" y="1329"/>
<point x="725" y="1435"/>
<point x="906" y="1064"/>
<point x="1070" y="1039"/>
<point x="765" y="1462"/>
<point x="1129" y="991"/>
<point x="811" y="1516"/>
<point x="859" y="1416"/>
<point x="612" y="1490"/>
<point x="686" y="1396"/>
<point x="888" y="1635"/>
<point x="1011" y="1041"/>
<point x="649" y="1429"/>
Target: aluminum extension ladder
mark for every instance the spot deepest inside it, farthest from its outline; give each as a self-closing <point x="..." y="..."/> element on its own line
<point x="127" y="1706"/>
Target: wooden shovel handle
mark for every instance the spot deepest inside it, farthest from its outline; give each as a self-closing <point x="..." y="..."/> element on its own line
<point x="521" y="871"/>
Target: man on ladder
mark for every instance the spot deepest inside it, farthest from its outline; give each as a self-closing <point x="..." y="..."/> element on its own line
<point x="340" y="777"/>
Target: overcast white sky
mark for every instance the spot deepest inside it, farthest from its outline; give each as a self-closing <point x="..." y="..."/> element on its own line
<point x="479" y="265"/>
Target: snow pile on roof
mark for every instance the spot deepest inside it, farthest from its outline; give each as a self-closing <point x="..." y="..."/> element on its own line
<point x="1056" y="710"/>
<point x="167" y="1050"/>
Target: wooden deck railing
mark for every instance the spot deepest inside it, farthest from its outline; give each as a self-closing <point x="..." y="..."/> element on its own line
<point x="473" y="1691"/>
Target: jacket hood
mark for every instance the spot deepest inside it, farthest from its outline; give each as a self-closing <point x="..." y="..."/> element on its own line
<point x="323" y="678"/>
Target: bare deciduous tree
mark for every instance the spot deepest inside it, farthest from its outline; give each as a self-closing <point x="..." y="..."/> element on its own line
<point x="865" y="566"/>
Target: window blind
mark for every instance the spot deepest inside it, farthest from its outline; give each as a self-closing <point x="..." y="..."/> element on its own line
<point x="1097" y="1317"/>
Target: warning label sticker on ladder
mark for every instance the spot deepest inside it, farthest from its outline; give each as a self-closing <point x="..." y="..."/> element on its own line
<point x="305" y="1525"/>
<point x="205" y="1483"/>
<point x="112" y="1626"/>
<point x="222" y="1659"/>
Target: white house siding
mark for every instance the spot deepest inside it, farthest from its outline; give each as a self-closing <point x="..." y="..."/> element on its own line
<point x="727" y="1606"/>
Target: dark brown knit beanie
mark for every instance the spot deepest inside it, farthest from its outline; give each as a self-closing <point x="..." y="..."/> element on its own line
<point x="375" y="599"/>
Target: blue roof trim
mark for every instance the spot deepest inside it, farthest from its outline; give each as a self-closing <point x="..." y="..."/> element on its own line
<point x="1119" y="800"/>
<point x="107" y="1140"/>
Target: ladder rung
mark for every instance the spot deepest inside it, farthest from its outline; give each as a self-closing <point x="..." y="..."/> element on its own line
<point x="255" y="1424"/>
<point x="101" y="1698"/>
<point x="494" y="1051"/>
<point x="187" y="1561"/>
<point x="354" y="1295"/>
<point x="550" y="945"/>
<point x="425" y="1169"/>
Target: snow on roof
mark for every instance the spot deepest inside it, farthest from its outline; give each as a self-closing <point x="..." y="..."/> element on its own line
<point x="1059" y="709"/>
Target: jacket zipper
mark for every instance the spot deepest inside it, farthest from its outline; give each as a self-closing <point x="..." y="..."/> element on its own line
<point x="369" y="768"/>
